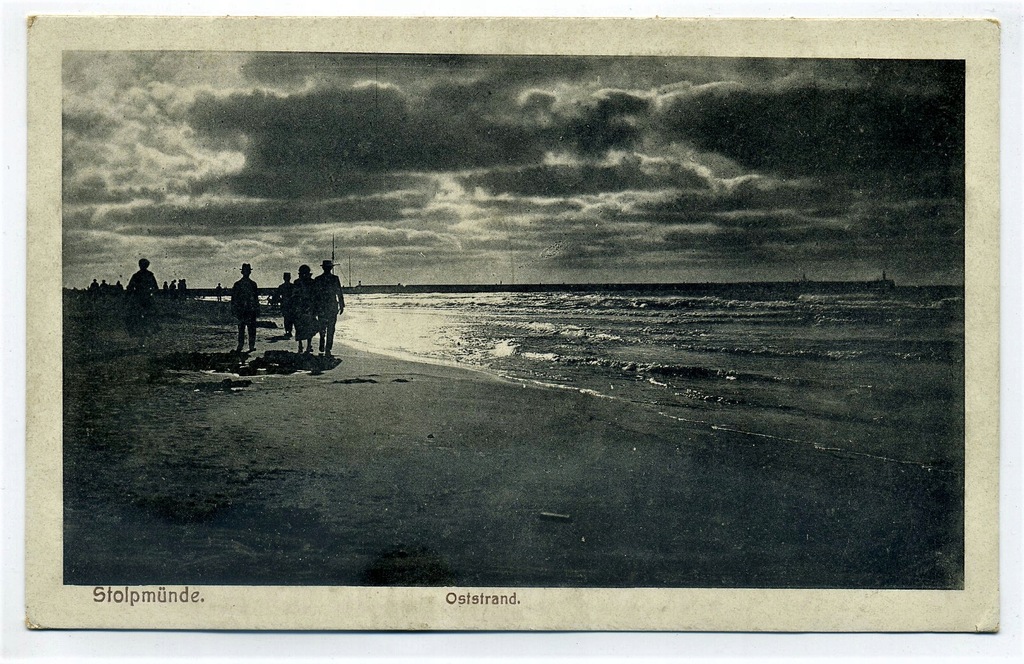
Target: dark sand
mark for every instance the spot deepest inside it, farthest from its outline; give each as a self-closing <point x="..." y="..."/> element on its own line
<point x="380" y="471"/>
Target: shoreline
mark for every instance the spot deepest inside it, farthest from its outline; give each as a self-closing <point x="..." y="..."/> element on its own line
<point x="385" y="471"/>
<point x="654" y="407"/>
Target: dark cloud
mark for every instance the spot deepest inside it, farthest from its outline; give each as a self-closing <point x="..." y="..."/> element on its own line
<point x="809" y="198"/>
<point x="921" y="238"/>
<point x="313" y="184"/>
<point x="586" y="256"/>
<point x="344" y="134"/>
<point x="246" y="217"/>
<point x="95" y="189"/>
<point x="576" y="179"/>
<point x="615" y="121"/>
<point x="88" y="123"/>
<point x="288" y="69"/>
<point x="538" y="101"/>
<point x="397" y="237"/>
<point x="335" y="141"/>
<point x="939" y="223"/>
<point x="865" y="132"/>
<point x="521" y="206"/>
<point x="615" y="162"/>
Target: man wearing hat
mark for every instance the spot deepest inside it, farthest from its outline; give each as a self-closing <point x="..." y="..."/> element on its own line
<point x="245" y="304"/>
<point x="330" y="303"/>
<point x="141" y="292"/>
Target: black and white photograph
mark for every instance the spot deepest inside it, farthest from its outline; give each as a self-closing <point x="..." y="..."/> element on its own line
<point x="487" y="323"/>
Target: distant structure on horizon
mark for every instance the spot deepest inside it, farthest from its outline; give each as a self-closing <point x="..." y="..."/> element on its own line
<point x="801" y="286"/>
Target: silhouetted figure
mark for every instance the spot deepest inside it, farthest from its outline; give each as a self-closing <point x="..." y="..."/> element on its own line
<point x="118" y="287"/>
<point x="167" y="290"/>
<point x="245" y="304"/>
<point x="304" y="308"/>
<point x="219" y="291"/>
<point x="94" y="289"/>
<point x="174" y="289"/>
<point x="284" y="297"/>
<point x="182" y="289"/>
<point x="330" y="303"/>
<point x="142" y="289"/>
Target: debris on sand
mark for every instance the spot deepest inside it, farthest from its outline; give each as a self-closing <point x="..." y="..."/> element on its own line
<point x="225" y="385"/>
<point x="554" y="516"/>
<point x="196" y="361"/>
<point x="352" y="381"/>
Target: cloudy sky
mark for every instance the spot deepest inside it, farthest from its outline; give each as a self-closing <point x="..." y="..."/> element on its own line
<point x="459" y="169"/>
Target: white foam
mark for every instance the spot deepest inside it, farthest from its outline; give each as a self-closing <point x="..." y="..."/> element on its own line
<point x="505" y="348"/>
<point x="544" y="357"/>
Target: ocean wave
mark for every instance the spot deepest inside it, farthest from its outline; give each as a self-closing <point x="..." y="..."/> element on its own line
<point x="543" y="357"/>
<point x="504" y="348"/>
<point x="936" y="351"/>
<point x="570" y="331"/>
<point x="653" y="372"/>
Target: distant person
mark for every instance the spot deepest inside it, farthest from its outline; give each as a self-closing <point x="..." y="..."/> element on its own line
<point x="118" y="287"/>
<point x="219" y="291"/>
<point x="142" y="289"/>
<point x="284" y="297"/>
<point x="94" y="288"/>
<point x="330" y="303"/>
<point x="245" y="304"/>
<point x="167" y="290"/>
<point x="304" y="308"/>
<point x="182" y="289"/>
<point x="174" y="289"/>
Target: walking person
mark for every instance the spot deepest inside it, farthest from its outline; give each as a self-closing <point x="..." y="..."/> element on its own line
<point x="330" y="304"/>
<point x="245" y="304"/>
<point x="142" y="289"/>
<point x="284" y="296"/>
<point x="304" y="308"/>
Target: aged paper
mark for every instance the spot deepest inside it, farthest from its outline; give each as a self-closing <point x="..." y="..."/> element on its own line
<point x="616" y="355"/>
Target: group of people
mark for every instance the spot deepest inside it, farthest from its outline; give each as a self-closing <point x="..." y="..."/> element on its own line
<point x="309" y="306"/>
<point x="175" y="290"/>
<point x="178" y="288"/>
<point x="104" y="289"/>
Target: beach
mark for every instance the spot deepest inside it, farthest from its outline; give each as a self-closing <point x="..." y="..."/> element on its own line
<point x="383" y="470"/>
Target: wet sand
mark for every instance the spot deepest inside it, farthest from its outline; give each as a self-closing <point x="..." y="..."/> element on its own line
<point x="385" y="471"/>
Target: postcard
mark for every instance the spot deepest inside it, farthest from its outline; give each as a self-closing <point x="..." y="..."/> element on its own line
<point x="513" y="324"/>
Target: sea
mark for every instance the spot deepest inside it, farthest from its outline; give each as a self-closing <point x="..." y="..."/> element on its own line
<point x="878" y="374"/>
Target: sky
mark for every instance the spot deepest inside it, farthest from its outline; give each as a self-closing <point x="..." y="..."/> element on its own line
<point x="498" y="169"/>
